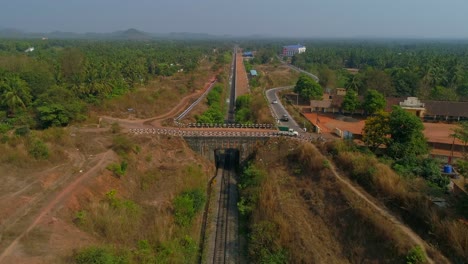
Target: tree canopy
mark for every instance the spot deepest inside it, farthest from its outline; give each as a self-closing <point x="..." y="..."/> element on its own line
<point x="350" y="101"/>
<point x="373" y="102"/>
<point x="52" y="85"/>
<point x="308" y="88"/>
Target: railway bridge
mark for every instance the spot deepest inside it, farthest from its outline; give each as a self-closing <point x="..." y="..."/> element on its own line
<point x="214" y="147"/>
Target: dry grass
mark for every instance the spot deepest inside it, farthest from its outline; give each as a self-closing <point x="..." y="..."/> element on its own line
<point x="162" y="169"/>
<point x="276" y="75"/>
<point x="317" y="219"/>
<point x="406" y="198"/>
<point x="158" y="96"/>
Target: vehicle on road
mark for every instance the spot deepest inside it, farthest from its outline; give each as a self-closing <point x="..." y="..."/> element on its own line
<point x="286" y="131"/>
<point x="274" y="101"/>
<point x="285" y="118"/>
<point x="291" y="132"/>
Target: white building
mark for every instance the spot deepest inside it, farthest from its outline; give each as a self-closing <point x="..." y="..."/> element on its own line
<point x="292" y="50"/>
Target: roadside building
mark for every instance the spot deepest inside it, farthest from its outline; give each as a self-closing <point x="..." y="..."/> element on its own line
<point x="253" y="73"/>
<point x="291" y="50"/>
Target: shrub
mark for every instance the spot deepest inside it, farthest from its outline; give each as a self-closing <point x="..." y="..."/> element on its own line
<point x="115" y="128"/>
<point x="22" y="131"/>
<point x="187" y="205"/>
<point x="38" y="149"/>
<point x="99" y="255"/>
<point x="263" y="247"/>
<point x="122" y="145"/>
<point x="415" y="256"/>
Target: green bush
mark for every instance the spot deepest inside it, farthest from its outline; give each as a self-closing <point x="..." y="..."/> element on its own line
<point x="4" y="127"/>
<point x="118" y="169"/>
<point x="99" y="255"/>
<point x="249" y="183"/>
<point x="187" y="205"/>
<point x="415" y="256"/>
<point x="38" y="149"/>
<point x="262" y="244"/>
<point x="215" y="113"/>
<point x="122" y="145"/>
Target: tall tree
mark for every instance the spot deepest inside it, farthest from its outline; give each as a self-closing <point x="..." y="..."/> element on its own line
<point x="376" y="130"/>
<point x="308" y="88"/>
<point x="350" y="101"/>
<point x="373" y="102"/>
<point x="406" y="132"/>
<point x="14" y="93"/>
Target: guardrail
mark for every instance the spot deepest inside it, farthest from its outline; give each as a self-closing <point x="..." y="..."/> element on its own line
<point x="186" y="111"/>
<point x="195" y="133"/>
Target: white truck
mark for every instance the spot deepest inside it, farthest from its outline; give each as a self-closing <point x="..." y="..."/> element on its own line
<point x="290" y="132"/>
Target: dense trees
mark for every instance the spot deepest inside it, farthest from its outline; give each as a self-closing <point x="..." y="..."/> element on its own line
<point x="52" y="85"/>
<point x="399" y="136"/>
<point x="404" y="68"/>
<point x="308" y="88"/>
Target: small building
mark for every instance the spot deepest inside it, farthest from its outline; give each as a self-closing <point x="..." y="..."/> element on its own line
<point x="253" y="73"/>
<point x="248" y="54"/>
<point x="30" y="49"/>
<point x="413" y="105"/>
<point x="446" y="111"/>
<point x="291" y="50"/>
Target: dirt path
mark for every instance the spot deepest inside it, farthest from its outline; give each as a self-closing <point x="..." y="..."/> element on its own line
<point x="385" y="213"/>
<point x="102" y="160"/>
<point x="156" y="121"/>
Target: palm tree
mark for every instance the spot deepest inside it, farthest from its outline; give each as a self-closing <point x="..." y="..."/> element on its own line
<point x="14" y="93"/>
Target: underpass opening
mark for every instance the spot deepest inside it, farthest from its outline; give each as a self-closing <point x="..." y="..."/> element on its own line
<point x="226" y="158"/>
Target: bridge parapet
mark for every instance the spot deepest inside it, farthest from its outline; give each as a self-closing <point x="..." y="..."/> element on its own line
<point x="207" y="146"/>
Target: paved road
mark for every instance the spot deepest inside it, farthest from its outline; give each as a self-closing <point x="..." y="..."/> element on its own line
<point x="278" y="109"/>
<point x="299" y="70"/>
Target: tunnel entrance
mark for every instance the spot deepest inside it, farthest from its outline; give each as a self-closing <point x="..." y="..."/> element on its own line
<point x="227" y="158"/>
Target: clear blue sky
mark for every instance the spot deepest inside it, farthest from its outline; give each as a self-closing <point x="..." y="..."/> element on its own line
<point x="289" y="18"/>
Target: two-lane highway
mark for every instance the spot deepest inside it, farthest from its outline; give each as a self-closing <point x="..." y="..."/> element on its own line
<point x="279" y="110"/>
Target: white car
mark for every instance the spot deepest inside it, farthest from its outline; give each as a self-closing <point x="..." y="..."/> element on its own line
<point x="274" y="102"/>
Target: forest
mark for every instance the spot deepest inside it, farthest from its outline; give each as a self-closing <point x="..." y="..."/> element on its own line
<point x="46" y="83"/>
<point x="430" y="70"/>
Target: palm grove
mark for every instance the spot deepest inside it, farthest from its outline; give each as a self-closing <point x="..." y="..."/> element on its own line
<point x="54" y="84"/>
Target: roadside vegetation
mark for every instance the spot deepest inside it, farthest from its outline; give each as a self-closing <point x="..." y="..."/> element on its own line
<point x="216" y="107"/>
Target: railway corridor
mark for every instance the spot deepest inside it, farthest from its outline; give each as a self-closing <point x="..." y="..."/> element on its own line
<point x="225" y="239"/>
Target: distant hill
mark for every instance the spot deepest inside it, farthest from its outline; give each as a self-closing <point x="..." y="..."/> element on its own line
<point x="129" y="34"/>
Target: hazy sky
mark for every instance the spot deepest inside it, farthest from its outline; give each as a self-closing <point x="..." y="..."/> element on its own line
<point x="290" y="18"/>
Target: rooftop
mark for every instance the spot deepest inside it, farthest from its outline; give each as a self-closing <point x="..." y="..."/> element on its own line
<point x="294" y="46"/>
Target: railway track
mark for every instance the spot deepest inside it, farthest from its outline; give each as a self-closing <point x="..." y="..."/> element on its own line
<point x="226" y="238"/>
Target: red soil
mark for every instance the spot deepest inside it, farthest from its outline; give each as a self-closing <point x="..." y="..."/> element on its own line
<point x="242" y="82"/>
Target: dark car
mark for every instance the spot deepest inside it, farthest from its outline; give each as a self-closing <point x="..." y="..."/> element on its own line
<point x="284" y="118"/>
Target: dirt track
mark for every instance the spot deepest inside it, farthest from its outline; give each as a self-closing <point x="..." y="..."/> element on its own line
<point x="57" y="199"/>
